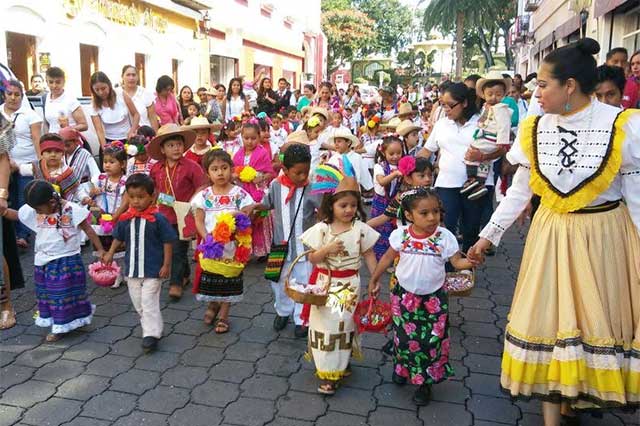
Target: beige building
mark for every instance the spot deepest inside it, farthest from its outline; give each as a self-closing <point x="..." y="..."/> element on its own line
<point x="543" y="25"/>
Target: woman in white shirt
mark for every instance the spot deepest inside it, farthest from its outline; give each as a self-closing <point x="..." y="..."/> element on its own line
<point x="143" y="99"/>
<point x="573" y="336"/>
<point x="235" y="103"/>
<point x="61" y="109"/>
<point x="26" y="127"/>
<point x="114" y="115"/>
<point x="451" y="137"/>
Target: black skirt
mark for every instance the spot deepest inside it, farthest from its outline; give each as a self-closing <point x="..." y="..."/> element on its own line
<point x="10" y="252"/>
<point x="217" y="288"/>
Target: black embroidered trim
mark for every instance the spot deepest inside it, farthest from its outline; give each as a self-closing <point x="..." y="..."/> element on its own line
<point x="574" y="341"/>
<point x="557" y="397"/>
<point x="497" y="226"/>
<point x="631" y="173"/>
<point x="598" y="172"/>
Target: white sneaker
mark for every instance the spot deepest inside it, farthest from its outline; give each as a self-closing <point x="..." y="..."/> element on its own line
<point x="118" y="282"/>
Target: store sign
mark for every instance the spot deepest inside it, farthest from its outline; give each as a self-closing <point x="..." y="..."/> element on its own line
<point x="44" y="58"/>
<point x="118" y="12"/>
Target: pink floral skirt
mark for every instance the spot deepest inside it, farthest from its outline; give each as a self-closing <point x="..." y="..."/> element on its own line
<point x="421" y="336"/>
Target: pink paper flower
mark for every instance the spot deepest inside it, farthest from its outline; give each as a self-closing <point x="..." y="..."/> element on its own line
<point x="432" y="305"/>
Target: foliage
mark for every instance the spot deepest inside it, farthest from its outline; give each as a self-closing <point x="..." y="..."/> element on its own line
<point x="348" y="32"/>
<point x="393" y="22"/>
<point x="327" y="5"/>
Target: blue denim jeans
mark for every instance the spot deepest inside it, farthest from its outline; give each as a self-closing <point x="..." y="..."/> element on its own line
<point x="17" y="200"/>
<point x="468" y="213"/>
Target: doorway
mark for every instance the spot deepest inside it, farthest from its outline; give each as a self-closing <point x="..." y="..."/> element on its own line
<point x="140" y="66"/>
<point x="88" y="65"/>
<point x="21" y="56"/>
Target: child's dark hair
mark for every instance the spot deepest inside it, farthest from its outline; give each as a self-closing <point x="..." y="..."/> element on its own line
<point x="613" y="74"/>
<point x="51" y="137"/>
<point x="216" y="154"/>
<point x="291" y="109"/>
<point x="253" y="126"/>
<point x="410" y="200"/>
<point x="116" y="152"/>
<point x="296" y="153"/>
<point x="325" y="212"/>
<point x="193" y="104"/>
<point x="617" y="50"/>
<point x="263" y="125"/>
<point x="493" y="83"/>
<point x="39" y="192"/>
<point x="422" y="165"/>
<point x="229" y="126"/>
<point x="146" y="131"/>
<point x="386" y="141"/>
<point x="140" y="180"/>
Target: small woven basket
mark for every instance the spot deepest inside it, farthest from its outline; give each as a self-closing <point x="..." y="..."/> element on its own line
<point x="304" y="297"/>
<point x="104" y="275"/>
<point x="460" y="283"/>
<point x="372" y="315"/>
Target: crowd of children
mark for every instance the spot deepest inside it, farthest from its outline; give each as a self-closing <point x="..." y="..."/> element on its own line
<point x="277" y="188"/>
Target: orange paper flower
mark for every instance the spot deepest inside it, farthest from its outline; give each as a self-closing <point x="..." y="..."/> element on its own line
<point x="222" y="233"/>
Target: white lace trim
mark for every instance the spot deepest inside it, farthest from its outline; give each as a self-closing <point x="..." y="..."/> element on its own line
<point x="230" y="299"/>
<point x="493" y="232"/>
<point x="65" y="328"/>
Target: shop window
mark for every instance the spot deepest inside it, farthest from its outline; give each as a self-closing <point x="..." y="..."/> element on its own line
<point x="21" y="56"/>
<point x="141" y="67"/>
<point x="175" y="64"/>
<point x="88" y="65"/>
<point x="222" y="69"/>
<point x="631" y="37"/>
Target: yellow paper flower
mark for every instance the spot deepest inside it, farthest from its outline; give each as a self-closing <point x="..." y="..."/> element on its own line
<point x="248" y="174"/>
<point x="313" y="121"/>
<point x="106" y="217"/>
<point x="228" y="219"/>
<point x="57" y="188"/>
<point x="243" y="240"/>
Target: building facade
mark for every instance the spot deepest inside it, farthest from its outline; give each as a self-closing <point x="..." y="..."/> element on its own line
<point x="199" y="43"/>
<point x="543" y="25"/>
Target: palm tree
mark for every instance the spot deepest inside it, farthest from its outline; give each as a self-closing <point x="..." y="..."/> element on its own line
<point x="445" y="16"/>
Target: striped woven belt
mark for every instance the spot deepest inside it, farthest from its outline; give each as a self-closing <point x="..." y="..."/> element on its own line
<point x="600" y="208"/>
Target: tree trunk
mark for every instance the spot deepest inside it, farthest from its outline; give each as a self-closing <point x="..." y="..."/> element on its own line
<point x="485" y="46"/>
<point x="459" y="41"/>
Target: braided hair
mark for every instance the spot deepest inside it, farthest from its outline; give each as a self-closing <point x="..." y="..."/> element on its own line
<point x="39" y="192"/>
<point x="410" y="198"/>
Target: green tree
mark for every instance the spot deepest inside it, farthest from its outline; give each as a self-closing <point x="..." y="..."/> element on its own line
<point x="448" y="16"/>
<point x="327" y="5"/>
<point x="393" y="24"/>
<point x="348" y="33"/>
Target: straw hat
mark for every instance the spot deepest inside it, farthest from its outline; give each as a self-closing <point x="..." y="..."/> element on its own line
<point x="492" y="76"/>
<point x="391" y="124"/>
<point x="299" y="136"/>
<point x="320" y="111"/>
<point x="198" y="123"/>
<point x="405" y="109"/>
<point x="343" y="134"/>
<point x="348" y="183"/>
<point x="166" y="132"/>
<point x="406" y="127"/>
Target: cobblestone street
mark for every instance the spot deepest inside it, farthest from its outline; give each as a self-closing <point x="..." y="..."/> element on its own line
<point x="252" y="375"/>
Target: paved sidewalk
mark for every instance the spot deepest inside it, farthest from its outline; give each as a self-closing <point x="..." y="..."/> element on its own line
<point x="253" y="375"/>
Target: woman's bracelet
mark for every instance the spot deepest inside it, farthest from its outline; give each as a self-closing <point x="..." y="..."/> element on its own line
<point x="4" y="194"/>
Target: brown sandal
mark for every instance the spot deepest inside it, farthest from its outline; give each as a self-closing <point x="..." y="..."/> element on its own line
<point x="7" y="319"/>
<point x="52" y="337"/>
<point x="211" y="313"/>
<point x="222" y="326"/>
<point x="327" y="387"/>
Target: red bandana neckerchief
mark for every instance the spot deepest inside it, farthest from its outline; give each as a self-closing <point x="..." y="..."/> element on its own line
<point x="147" y="214"/>
<point x="285" y="181"/>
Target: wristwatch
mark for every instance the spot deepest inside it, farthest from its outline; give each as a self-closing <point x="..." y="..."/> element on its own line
<point x="4" y="194"/>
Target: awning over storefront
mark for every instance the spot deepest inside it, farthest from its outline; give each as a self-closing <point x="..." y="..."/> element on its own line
<point x="603" y="6"/>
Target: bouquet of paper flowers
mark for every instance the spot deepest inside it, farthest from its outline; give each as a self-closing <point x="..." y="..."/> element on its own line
<point x="246" y="174"/>
<point x="229" y="228"/>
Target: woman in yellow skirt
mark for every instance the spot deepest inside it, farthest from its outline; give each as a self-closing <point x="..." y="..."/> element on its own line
<point x="573" y="335"/>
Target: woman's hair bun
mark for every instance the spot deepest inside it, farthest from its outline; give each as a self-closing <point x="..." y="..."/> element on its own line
<point x="588" y="46"/>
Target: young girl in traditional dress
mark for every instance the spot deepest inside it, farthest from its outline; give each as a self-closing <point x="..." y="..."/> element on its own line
<point x="229" y="138"/>
<point x="339" y="243"/>
<point x="140" y="161"/>
<point x="221" y="197"/>
<point x="254" y="169"/>
<point x="419" y="304"/>
<point x="386" y="183"/>
<point x="108" y="193"/>
<point x="59" y="274"/>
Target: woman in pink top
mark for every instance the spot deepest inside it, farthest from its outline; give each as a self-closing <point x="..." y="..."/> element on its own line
<point x="167" y="107"/>
<point x="631" y="94"/>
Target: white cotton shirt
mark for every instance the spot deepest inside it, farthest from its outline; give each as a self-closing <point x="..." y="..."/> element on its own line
<point x="64" y="104"/>
<point x="421" y="268"/>
<point x="23" y="151"/>
<point x="142" y="99"/>
<point x="116" y="121"/>
<point x="453" y="141"/>
<point x="50" y="238"/>
<point x="379" y="171"/>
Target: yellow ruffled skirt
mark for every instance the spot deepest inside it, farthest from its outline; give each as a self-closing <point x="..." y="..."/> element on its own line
<point x="574" y="326"/>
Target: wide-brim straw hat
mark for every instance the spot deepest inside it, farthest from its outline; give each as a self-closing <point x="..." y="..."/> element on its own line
<point x="391" y="124"/>
<point x="198" y="123"/>
<point x="348" y="183"/>
<point x="406" y="127"/>
<point x="492" y="76"/>
<point x="405" y="109"/>
<point x="169" y="131"/>
<point x="320" y="111"/>
<point x="343" y="134"/>
<point x="299" y="136"/>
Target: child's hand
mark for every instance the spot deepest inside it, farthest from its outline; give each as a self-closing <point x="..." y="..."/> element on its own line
<point x="165" y="271"/>
<point x="374" y="289"/>
<point x="335" y="247"/>
<point x="107" y="258"/>
<point x="397" y="173"/>
<point x="95" y="191"/>
<point x="101" y="254"/>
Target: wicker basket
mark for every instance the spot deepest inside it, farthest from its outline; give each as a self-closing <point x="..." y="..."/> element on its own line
<point x="300" y="297"/>
<point x="104" y="275"/>
<point x="372" y="315"/>
<point x="460" y="283"/>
